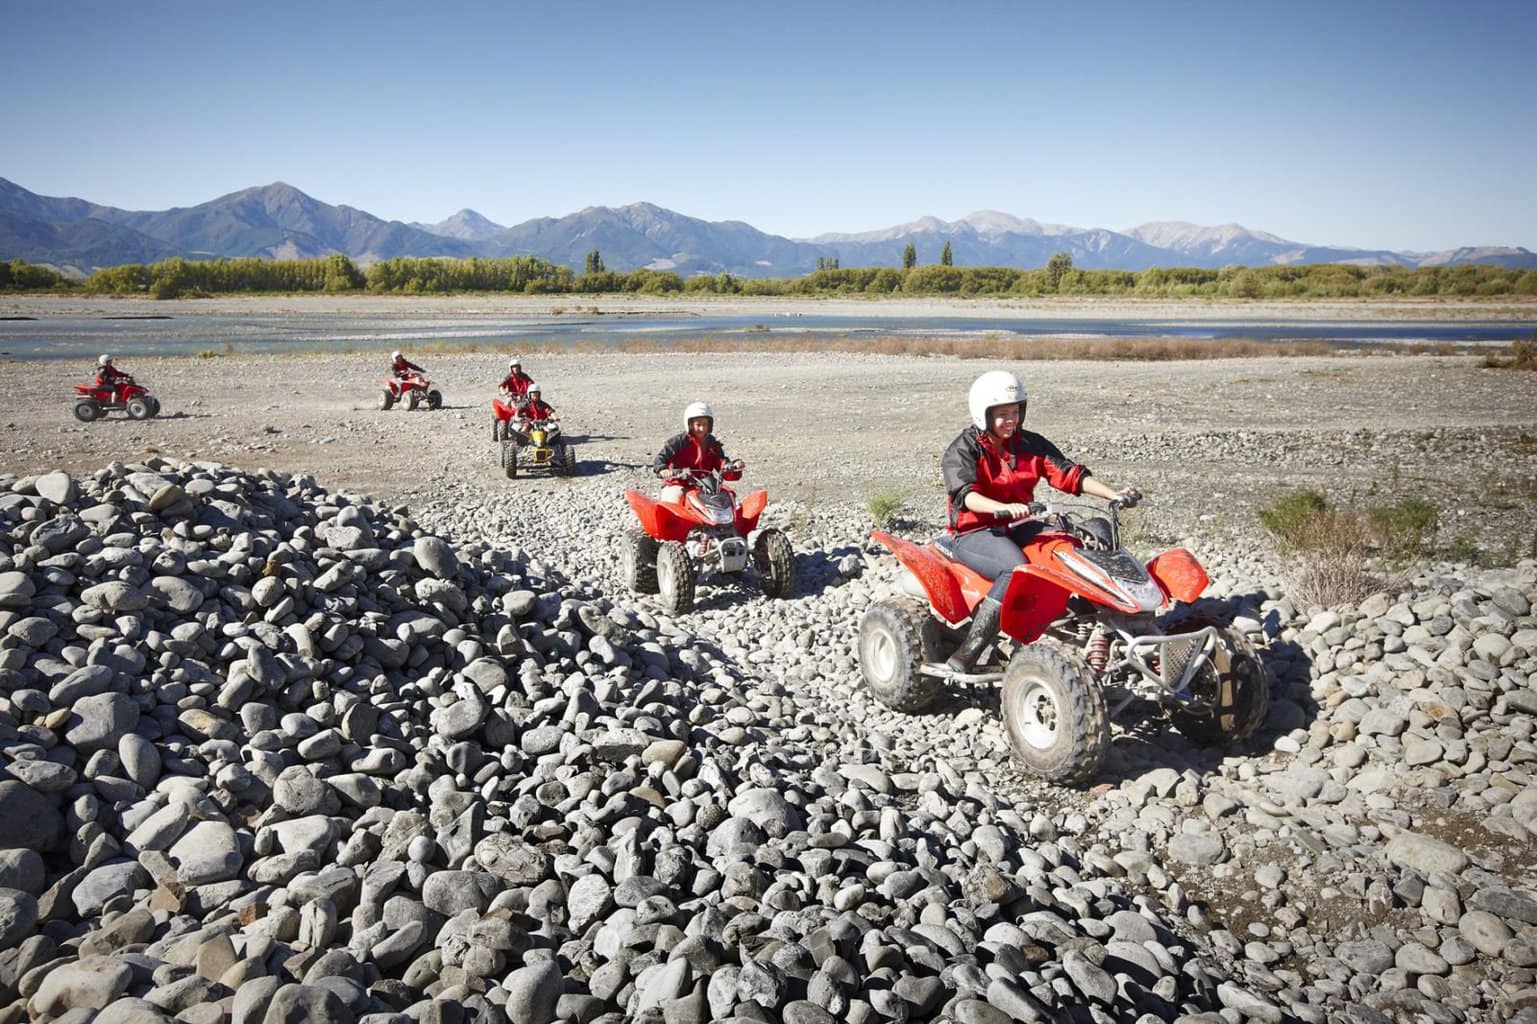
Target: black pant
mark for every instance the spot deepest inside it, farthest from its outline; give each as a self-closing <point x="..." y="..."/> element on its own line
<point x="995" y="552"/>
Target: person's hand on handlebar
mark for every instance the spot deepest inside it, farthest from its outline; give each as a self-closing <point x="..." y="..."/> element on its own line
<point x="1128" y="497"/>
<point x="1014" y="510"/>
<point x="736" y="465"/>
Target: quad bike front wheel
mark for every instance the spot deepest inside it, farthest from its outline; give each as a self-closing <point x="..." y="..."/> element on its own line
<point x="568" y="461"/>
<point x="138" y="409"/>
<point x="509" y="459"/>
<point x="87" y="411"/>
<point x="638" y="560"/>
<point x="154" y="406"/>
<point x="1054" y="715"/>
<point x="896" y="637"/>
<point x="434" y="399"/>
<point x="386" y="399"/>
<point x="1233" y="684"/>
<point x="413" y="399"/>
<point x="775" y="562"/>
<point x="674" y="577"/>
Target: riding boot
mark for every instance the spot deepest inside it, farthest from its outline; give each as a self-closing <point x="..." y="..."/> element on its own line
<point x="984" y="630"/>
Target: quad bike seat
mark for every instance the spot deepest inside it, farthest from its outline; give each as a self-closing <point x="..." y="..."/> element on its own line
<point x="944" y="543"/>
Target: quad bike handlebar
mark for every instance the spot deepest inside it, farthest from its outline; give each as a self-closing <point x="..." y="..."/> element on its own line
<point x="1068" y="518"/>
<point x="684" y="473"/>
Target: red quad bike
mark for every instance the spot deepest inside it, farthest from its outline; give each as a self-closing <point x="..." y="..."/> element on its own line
<point x="705" y="531"/>
<point x="1085" y="615"/>
<point x="92" y="402"/>
<point x="410" y="389"/>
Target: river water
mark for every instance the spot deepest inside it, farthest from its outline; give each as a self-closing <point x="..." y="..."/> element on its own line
<point x="80" y="337"/>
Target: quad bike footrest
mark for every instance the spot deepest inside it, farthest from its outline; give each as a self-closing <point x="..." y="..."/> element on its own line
<point x="940" y="670"/>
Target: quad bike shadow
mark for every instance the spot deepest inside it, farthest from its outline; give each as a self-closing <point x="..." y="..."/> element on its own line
<point x="1093" y="630"/>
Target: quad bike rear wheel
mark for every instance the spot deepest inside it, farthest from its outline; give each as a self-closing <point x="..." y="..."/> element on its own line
<point x="496" y="428"/>
<point x="1235" y="684"/>
<point x="675" y="577"/>
<point x="568" y="460"/>
<point x="896" y="637"/>
<point x="87" y="411"/>
<point x="638" y="559"/>
<point x="434" y="399"/>
<point x="138" y="408"/>
<point x="386" y="399"/>
<point x="775" y="562"/>
<point x="413" y="399"/>
<point x="1054" y="715"/>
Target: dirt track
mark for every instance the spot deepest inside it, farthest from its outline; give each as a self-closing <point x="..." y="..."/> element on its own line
<point x="1207" y="440"/>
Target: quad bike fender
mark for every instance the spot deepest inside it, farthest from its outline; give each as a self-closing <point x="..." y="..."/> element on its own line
<point x="748" y="511"/>
<point x="1178" y="574"/>
<point x="1033" y="601"/>
<point x="503" y="412"/>
<point x="660" y="522"/>
<point x="933" y="574"/>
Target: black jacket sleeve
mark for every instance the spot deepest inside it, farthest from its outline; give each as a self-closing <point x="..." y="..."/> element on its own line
<point x="672" y="447"/>
<point x="959" y="466"/>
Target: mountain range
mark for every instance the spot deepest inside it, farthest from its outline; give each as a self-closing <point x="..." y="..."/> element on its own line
<point x="280" y="222"/>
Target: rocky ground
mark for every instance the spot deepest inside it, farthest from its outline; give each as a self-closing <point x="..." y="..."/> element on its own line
<point x="277" y="752"/>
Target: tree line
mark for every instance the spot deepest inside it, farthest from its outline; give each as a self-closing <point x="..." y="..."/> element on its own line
<point x="530" y="275"/>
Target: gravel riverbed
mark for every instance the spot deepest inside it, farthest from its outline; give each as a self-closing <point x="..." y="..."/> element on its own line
<point x="276" y="750"/>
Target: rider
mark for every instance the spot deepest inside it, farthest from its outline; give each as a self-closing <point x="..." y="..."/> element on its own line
<point x="401" y="366"/>
<point x="537" y="408"/>
<point x="696" y="449"/>
<point x="517" y="383"/>
<point x="107" y="375"/>
<point x="990" y="472"/>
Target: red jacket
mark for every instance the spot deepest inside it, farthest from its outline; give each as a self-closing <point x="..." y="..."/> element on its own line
<point x="976" y="462"/>
<point x="517" y="384"/>
<point x="401" y="365"/>
<point x="682" y="451"/>
<point x="538" y="409"/>
<point x="110" y="376"/>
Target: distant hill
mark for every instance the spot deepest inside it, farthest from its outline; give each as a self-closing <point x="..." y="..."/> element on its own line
<point x="278" y="221"/>
<point x="644" y="235"/>
<point x="466" y="225"/>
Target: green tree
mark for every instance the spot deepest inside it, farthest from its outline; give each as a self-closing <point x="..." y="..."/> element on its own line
<point x="909" y="256"/>
<point x="595" y="262"/>
<point x="1059" y="264"/>
<point x="945" y="259"/>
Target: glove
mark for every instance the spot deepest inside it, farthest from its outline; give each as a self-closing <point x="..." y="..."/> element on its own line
<point x="1130" y="497"/>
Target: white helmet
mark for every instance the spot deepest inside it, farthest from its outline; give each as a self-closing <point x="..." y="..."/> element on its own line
<point x="105" y="360"/>
<point x="996" y="387"/>
<point x="533" y="387"/>
<point x="395" y="354"/>
<point x="514" y="362"/>
<point x="696" y="410"/>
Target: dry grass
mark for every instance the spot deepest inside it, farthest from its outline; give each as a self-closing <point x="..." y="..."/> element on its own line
<point x="992" y="346"/>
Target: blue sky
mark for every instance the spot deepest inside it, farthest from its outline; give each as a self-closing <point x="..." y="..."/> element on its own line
<point x="1405" y="125"/>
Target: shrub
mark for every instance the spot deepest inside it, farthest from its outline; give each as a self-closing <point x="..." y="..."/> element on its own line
<point x="1327" y="550"/>
<point x="884" y="505"/>
<point x="1292" y="513"/>
<point x="1401" y="528"/>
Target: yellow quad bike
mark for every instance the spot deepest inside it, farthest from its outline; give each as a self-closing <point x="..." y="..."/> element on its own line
<point x="539" y="447"/>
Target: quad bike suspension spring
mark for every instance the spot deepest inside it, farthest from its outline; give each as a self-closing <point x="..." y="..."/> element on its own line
<point x="1097" y="652"/>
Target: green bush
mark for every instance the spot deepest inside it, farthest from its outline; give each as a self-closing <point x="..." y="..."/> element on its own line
<point x="1291" y="515"/>
<point x="884" y="505"/>
<point x="1402" y="528"/>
